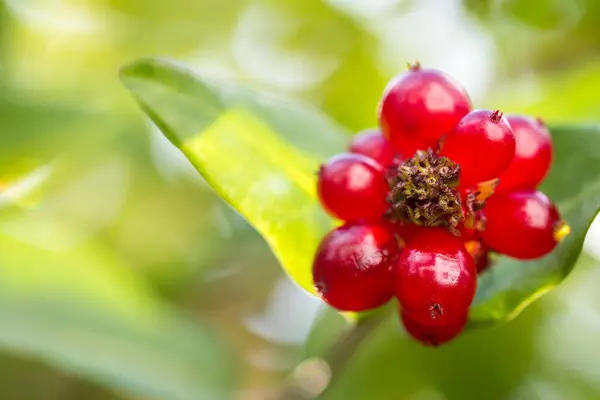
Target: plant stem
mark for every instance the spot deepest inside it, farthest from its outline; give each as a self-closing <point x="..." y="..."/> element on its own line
<point x="336" y="358"/>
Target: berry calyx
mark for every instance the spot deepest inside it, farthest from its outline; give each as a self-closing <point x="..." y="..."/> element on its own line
<point x="483" y="144"/>
<point x="354" y="266"/>
<point x="419" y="106"/>
<point x="480" y="253"/>
<point x="373" y="144"/>
<point x="533" y="154"/>
<point x="432" y="335"/>
<point x="352" y="187"/>
<point x="423" y="191"/>
<point x="435" y="278"/>
<point x="471" y="229"/>
<point x="523" y="224"/>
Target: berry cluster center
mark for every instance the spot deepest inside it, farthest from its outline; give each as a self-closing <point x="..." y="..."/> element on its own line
<point x="423" y="191"/>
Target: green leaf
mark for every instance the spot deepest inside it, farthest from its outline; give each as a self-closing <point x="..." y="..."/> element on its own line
<point x="252" y="162"/>
<point x="84" y="312"/>
<point x="260" y="154"/>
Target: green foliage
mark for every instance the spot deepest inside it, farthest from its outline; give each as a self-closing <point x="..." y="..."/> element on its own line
<point x="85" y="312"/>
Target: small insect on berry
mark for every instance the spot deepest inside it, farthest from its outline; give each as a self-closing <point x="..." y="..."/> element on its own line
<point x="523" y="224"/>
<point x="483" y="144"/>
<point x="373" y="144"/>
<point x="436" y="278"/>
<point x="354" y="266"/>
<point x="419" y="107"/>
<point x="352" y="187"/>
<point x="533" y="155"/>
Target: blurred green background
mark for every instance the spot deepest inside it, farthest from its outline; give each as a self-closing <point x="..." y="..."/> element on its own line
<point x="122" y="276"/>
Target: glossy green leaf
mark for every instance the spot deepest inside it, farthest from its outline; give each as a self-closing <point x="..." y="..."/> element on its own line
<point x="251" y="162"/>
<point x="84" y="312"/>
<point x="259" y="153"/>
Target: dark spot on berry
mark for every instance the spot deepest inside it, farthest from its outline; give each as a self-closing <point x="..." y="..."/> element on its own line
<point x="540" y="121"/>
<point x="321" y="287"/>
<point x="436" y="311"/>
<point x="496" y="116"/>
<point x="414" y="66"/>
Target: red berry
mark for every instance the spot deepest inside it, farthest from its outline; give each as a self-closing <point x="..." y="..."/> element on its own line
<point x="419" y="107"/>
<point x="354" y="266"/>
<point x="483" y="144"/>
<point x="404" y="230"/>
<point x="436" y="278"/>
<point x="467" y="233"/>
<point x="523" y="224"/>
<point x="353" y="187"/>
<point x="371" y="143"/>
<point x="533" y="155"/>
<point x="433" y="335"/>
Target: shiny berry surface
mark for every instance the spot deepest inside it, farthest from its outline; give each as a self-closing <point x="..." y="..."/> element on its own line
<point x="483" y="144"/>
<point x="373" y="144"/>
<point x="353" y="187"/>
<point x="533" y="155"/>
<point x="419" y="107"/>
<point x="436" y="278"/>
<point x="522" y="224"/>
<point x="433" y="335"/>
<point x="354" y="266"/>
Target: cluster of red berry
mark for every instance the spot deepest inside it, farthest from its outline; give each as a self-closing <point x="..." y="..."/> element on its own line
<point x="426" y="199"/>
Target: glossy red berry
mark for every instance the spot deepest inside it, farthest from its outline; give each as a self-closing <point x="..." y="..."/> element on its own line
<point x="419" y="107"/>
<point x="533" y="155"/>
<point x="354" y="266"/>
<point x="483" y="144"/>
<point x="433" y="335"/>
<point x="436" y="278"/>
<point x="353" y="187"/>
<point x="373" y="144"/>
<point x="523" y="224"/>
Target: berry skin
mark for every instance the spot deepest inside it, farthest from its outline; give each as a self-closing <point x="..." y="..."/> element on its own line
<point x="523" y="224"/>
<point x="352" y="187"/>
<point x="404" y="230"/>
<point x="371" y="143"/>
<point x="533" y="155"/>
<point x="354" y="266"/>
<point x="419" y="107"/>
<point x="483" y="144"/>
<point x="436" y="278"/>
<point x="433" y="335"/>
